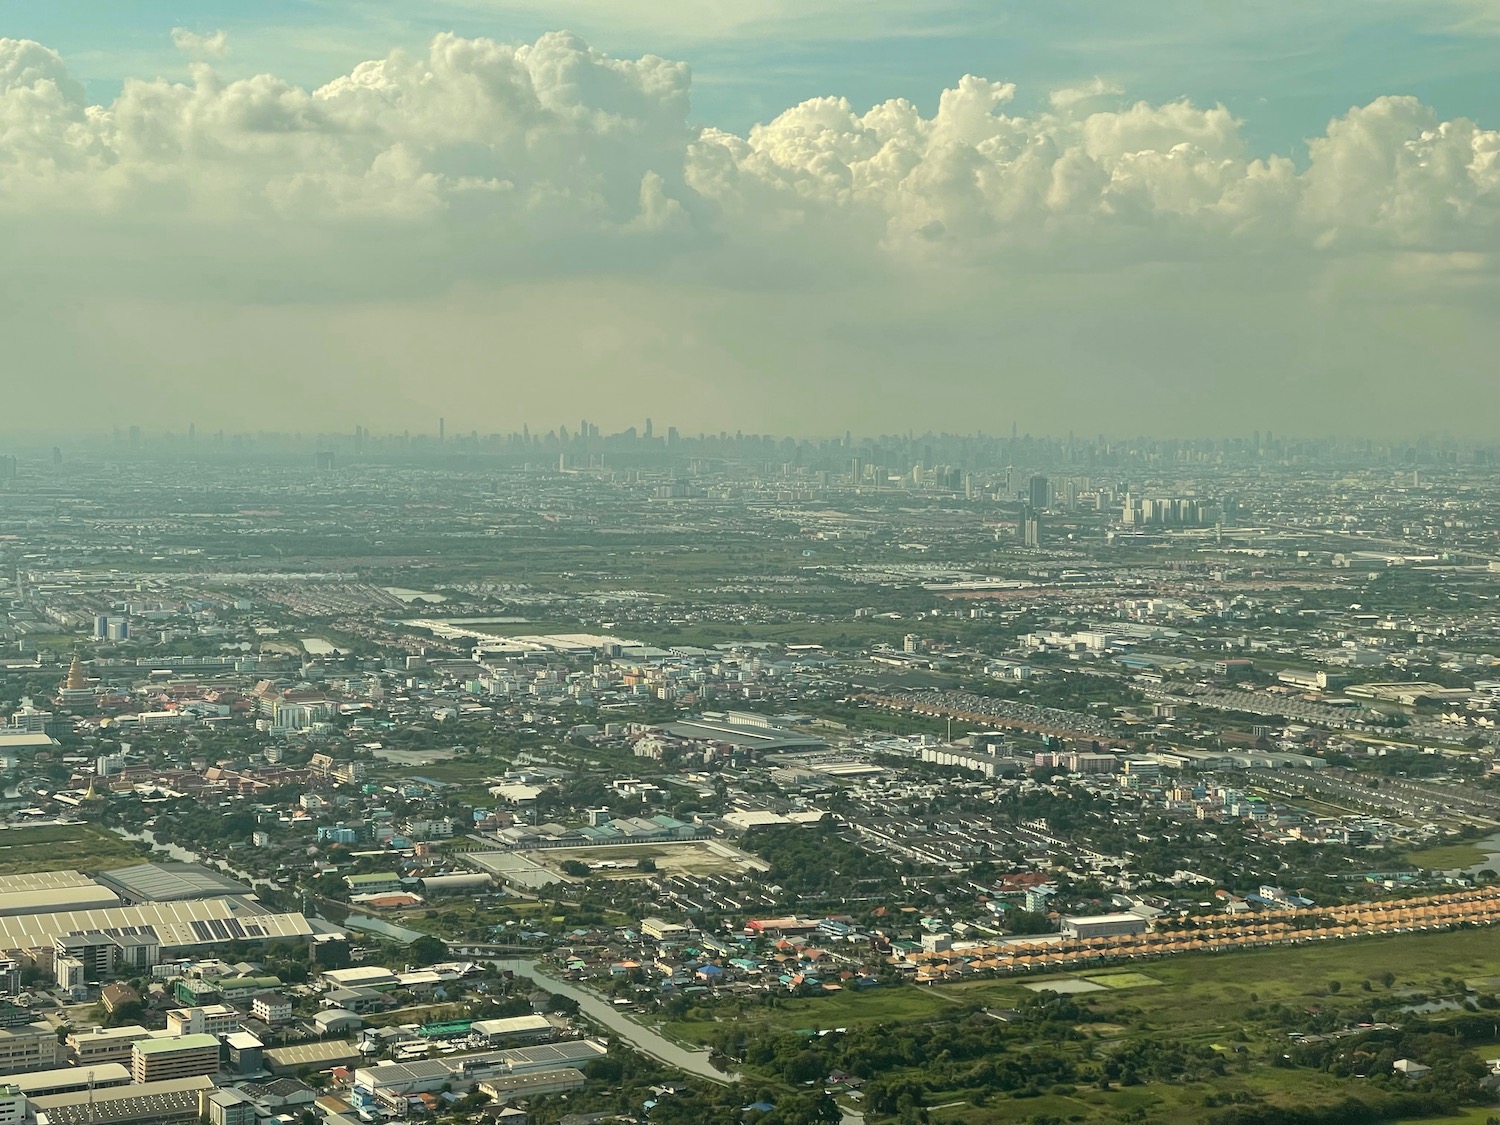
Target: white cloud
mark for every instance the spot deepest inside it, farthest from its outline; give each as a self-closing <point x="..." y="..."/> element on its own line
<point x="895" y="234"/>
<point x="555" y="140"/>
<point x="214" y="45"/>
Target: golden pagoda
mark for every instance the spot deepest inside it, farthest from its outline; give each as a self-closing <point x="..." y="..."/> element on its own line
<point x="75" y="693"/>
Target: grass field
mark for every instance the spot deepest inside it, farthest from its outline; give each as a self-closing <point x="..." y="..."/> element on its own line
<point x="1447" y="857"/>
<point x="1122" y="980"/>
<point x="63" y="847"/>
<point x="1156" y="1103"/>
<point x="838" y="1009"/>
<point x="1199" y="999"/>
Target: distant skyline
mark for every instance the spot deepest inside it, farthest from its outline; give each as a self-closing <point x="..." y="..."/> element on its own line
<point x="775" y="217"/>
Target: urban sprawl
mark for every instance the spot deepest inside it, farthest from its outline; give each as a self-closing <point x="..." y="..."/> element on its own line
<point x="650" y="777"/>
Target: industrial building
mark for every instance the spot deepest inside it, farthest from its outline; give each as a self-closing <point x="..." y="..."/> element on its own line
<point x="156" y="1103"/>
<point x="744" y="730"/>
<point x="532" y="1084"/>
<point x="48" y="900"/>
<point x="170" y="925"/>
<point x="468" y="883"/>
<point x="169" y="882"/>
<point x="70" y="1079"/>
<point x="516" y="1029"/>
<point x="316" y="1056"/>
<point x="1103" y="925"/>
<point x="390" y="1084"/>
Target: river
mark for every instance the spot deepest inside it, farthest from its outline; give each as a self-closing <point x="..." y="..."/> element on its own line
<point x="182" y="855"/>
<point x="1490" y="845"/>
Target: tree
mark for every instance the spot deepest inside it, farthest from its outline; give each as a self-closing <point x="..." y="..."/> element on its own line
<point x="576" y="868"/>
<point x="427" y="949"/>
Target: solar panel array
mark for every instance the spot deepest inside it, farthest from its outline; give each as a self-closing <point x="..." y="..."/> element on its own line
<point x="209" y="930"/>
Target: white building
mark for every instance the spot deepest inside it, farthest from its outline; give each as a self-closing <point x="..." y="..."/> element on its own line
<point x="210" y="1019"/>
<point x="272" y="1008"/>
<point x="1103" y="925"/>
<point x="12" y="1105"/>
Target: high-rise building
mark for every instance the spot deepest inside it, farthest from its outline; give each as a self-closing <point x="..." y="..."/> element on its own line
<point x="1032" y="528"/>
<point x="119" y="630"/>
<point x="101" y="627"/>
<point x="1039" y="493"/>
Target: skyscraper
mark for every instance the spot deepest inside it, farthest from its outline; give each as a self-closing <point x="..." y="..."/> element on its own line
<point x="1039" y="493"/>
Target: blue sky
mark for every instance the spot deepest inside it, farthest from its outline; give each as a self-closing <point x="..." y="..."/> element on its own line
<point x="1284" y="68"/>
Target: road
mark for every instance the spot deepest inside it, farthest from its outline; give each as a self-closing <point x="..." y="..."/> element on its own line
<point x="642" y="1038"/>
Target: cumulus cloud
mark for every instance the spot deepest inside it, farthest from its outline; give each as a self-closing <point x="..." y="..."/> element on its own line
<point x="214" y="45"/>
<point x="1072" y="239"/>
<point x="555" y="140"/>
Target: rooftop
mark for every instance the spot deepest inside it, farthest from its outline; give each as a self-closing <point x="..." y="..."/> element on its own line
<point x="166" y="1046"/>
<point x="170" y="882"/>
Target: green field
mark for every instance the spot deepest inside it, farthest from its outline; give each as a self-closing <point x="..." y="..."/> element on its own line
<point x="1201" y="999"/>
<point x="63" y="847"/>
<point x="1197" y="995"/>
<point x="1447" y="857"/>
<point x="1123" y="980"/>
<point x="837" y="1009"/>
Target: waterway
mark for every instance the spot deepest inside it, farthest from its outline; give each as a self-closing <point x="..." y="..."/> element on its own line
<point x="182" y="855"/>
<point x="1490" y="846"/>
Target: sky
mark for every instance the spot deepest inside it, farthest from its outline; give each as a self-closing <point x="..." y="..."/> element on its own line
<point x="785" y="216"/>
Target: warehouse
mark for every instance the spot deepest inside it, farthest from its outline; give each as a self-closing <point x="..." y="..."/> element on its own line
<point x="532" y="1084"/>
<point x="159" y="1103"/>
<point x="175" y="925"/>
<point x="47" y="880"/>
<point x="471" y="883"/>
<point x="51" y="900"/>
<point x="322" y="1055"/>
<point x="392" y="1082"/>
<point x="516" y="1029"/>
<point x="1103" y="925"/>
<point x="170" y="882"/>
<point x="69" y="1080"/>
